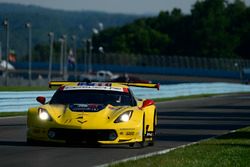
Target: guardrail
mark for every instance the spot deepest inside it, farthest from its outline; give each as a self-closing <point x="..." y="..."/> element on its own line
<point x="21" y="101"/>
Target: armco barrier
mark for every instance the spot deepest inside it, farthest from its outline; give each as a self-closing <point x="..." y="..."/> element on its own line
<point x="142" y="70"/>
<point x="168" y="71"/>
<point x="21" y="101"/>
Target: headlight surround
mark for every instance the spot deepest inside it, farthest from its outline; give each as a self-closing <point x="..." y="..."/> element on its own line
<point x="124" y="117"/>
<point x="43" y="114"/>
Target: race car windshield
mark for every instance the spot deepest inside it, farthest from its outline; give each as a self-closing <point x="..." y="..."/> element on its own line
<point x="114" y="98"/>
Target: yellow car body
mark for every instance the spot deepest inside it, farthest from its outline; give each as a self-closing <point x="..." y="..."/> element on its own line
<point x="87" y="118"/>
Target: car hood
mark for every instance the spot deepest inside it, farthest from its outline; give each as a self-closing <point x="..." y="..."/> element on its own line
<point x="72" y="117"/>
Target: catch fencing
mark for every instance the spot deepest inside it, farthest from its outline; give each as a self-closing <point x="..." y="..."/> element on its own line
<point x="137" y="64"/>
<point x="183" y="62"/>
<point x="121" y="60"/>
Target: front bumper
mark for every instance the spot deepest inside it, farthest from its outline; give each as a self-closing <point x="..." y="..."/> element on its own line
<point x="102" y="136"/>
<point x="81" y="135"/>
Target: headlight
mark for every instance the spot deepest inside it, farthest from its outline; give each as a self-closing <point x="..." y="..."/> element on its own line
<point x="125" y="117"/>
<point x="43" y="114"/>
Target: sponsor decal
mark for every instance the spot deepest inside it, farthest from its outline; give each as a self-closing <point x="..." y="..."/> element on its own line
<point x="93" y="88"/>
<point x="86" y="107"/>
<point x="130" y="133"/>
<point x="85" y="84"/>
<point x="103" y="84"/>
<point x="127" y="129"/>
<point x="149" y="134"/>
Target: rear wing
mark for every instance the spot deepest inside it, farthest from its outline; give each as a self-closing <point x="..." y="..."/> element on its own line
<point x="60" y="83"/>
<point x="143" y="85"/>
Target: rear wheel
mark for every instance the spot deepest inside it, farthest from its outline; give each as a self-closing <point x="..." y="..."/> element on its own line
<point x="151" y="143"/>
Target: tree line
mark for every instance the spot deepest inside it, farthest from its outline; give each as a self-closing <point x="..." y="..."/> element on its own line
<point x="214" y="28"/>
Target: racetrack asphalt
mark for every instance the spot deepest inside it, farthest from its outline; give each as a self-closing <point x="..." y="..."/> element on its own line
<point x="180" y="122"/>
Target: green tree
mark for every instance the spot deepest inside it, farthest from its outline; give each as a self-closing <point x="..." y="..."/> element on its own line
<point x="210" y="24"/>
<point x="239" y="15"/>
<point x="215" y="28"/>
<point x="41" y="53"/>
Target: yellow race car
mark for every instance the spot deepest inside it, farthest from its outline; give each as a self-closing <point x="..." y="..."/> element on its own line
<point x="102" y="113"/>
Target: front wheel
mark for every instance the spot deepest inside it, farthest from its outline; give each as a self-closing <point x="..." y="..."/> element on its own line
<point x="140" y="144"/>
<point x="31" y="142"/>
<point x="151" y="143"/>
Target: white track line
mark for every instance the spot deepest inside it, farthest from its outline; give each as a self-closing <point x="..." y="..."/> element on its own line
<point x="159" y="152"/>
<point x="146" y="155"/>
<point x="12" y="117"/>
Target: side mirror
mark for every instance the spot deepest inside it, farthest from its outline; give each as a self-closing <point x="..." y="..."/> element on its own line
<point x="41" y="99"/>
<point x="147" y="103"/>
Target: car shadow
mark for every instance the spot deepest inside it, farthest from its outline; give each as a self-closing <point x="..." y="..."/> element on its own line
<point x="13" y="143"/>
<point x="61" y="145"/>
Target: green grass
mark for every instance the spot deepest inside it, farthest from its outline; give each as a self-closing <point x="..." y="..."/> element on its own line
<point x="10" y="114"/>
<point x="24" y="88"/>
<point x="230" y="150"/>
<point x="183" y="97"/>
<point x="194" y="96"/>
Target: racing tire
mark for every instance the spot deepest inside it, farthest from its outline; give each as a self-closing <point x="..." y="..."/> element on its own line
<point x="72" y="142"/>
<point x="131" y="145"/>
<point x="93" y="144"/>
<point x="142" y="143"/>
<point x="32" y="142"/>
<point x="151" y="143"/>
